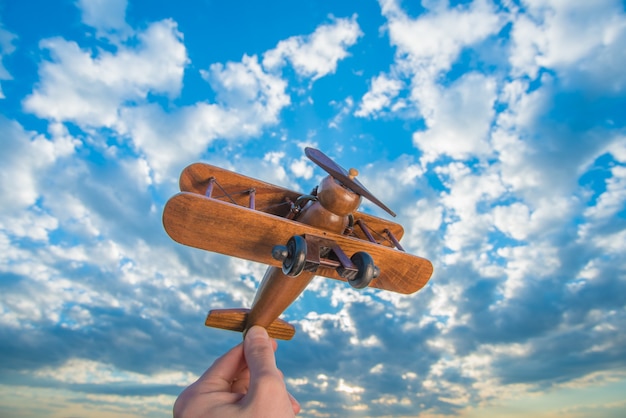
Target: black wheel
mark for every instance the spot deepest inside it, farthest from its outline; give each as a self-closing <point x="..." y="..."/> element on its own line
<point x="295" y="261"/>
<point x="367" y="270"/>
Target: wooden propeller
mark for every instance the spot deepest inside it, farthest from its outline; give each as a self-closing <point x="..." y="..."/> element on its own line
<point x="348" y="179"/>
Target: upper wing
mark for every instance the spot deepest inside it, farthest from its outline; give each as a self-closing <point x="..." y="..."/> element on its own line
<point x="226" y="228"/>
<point x="235" y="188"/>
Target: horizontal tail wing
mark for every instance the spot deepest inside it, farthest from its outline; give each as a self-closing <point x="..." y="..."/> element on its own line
<point x="235" y="320"/>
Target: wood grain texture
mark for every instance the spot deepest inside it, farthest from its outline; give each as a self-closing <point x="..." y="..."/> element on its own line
<point x="269" y="198"/>
<point x="236" y="320"/>
<point x="276" y="292"/>
<point x="230" y="229"/>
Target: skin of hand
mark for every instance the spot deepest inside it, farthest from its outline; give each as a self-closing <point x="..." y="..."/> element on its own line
<point x="244" y="382"/>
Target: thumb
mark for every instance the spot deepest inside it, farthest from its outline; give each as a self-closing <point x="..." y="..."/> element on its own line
<point x="259" y="353"/>
<point x="267" y="387"/>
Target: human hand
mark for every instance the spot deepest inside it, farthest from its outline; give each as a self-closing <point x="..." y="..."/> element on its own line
<point x="244" y="382"/>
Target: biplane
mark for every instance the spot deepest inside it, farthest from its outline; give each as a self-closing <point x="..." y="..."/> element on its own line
<point x="297" y="235"/>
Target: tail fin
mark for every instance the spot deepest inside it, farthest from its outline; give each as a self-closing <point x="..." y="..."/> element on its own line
<point x="235" y="320"/>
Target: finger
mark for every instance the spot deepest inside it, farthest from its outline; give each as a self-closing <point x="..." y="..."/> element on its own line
<point x="220" y="376"/>
<point x="267" y="387"/>
<point x="259" y="352"/>
<point x="242" y="382"/>
<point x="295" y="405"/>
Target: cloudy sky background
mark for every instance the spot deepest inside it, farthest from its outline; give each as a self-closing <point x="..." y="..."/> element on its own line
<point x="496" y="131"/>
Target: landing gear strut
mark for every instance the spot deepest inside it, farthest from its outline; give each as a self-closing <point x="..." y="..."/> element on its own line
<point x="309" y="252"/>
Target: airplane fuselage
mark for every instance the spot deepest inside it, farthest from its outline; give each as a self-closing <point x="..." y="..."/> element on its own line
<point x="330" y="212"/>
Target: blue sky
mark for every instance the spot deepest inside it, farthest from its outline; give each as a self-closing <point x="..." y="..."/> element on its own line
<point x="496" y="131"/>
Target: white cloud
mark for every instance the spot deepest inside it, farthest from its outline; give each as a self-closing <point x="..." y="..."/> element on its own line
<point x="600" y="227"/>
<point x="513" y="220"/>
<point x="301" y="168"/>
<point x="248" y="99"/>
<point x="535" y="261"/>
<point x="62" y="402"/>
<point x="34" y="224"/>
<point x="618" y="149"/>
<point x="468" y="188"/>
<point x="84" y="371"/>
<point x="25" y="157"/>
<point x="110" y="90"/>
<point x="582" y="41"/>
<point x="458" y="118"/>
<point x="526" y="147"/>
<point x="170" y="139"/>
<point x="245" y="86"/>
<point x="351" y="389"/>
<point x="431" y="43"/>
<point x="6" y="48"/>
<point x="611" y="243"/>
<point x="613" y="199"/>
<point x="344" y="107"/>
<point x="315" y="55"/>
<point x="108" y="17"/>
<point x="445" y="302"/>
<point x="382" y="91"/>
<point x="313" y="324"/>
<point x="423" y="220"/>
<point x="76" y="86"/>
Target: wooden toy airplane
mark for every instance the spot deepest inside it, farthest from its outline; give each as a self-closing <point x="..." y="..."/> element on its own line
<point x="297" y="235"/>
